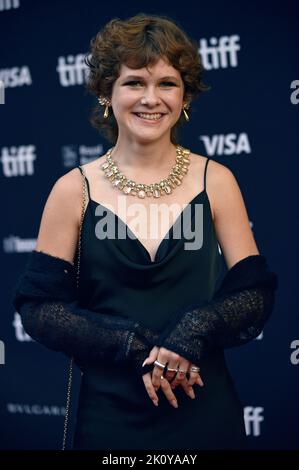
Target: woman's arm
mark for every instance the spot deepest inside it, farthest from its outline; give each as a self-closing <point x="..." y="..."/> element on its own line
<point x="235" y="316"/>
<point x="231" y="220"/>
<point x="46" y="294"/>
<point x="46" y="300"/>
<point x="241" y="307"/>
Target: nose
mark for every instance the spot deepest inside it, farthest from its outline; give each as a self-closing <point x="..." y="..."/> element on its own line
<point x="150" y="97"/>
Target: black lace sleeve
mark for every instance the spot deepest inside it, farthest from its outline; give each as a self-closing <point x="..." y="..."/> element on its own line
<point x="235" y="316"/>
<point x="88" y="336"/>
<point x="45" y="299"/>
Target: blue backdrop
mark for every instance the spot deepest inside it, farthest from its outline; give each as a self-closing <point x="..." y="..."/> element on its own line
<point x="247" y="121"/>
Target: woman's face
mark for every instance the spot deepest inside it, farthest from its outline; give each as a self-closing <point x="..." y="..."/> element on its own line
<point x="147" y="102"/>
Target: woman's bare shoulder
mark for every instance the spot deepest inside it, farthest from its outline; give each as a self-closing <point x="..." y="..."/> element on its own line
<point x="69" y="184"/>
<point x="219" y="178"/>
<point x="92" y="169"/>
<point x="65" y="198"/>
<point x="218" y="174"/>
<point x="58" y="232"/>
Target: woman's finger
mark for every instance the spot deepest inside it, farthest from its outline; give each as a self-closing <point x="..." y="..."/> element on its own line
<point x="147" y="380"/>
<point x="152" y="356"/>
<point x="171" y="371"/>
<point x="166" y="388"/>
<point x="182" y="372"/>
<point x="188" y="388"/>
<point x="195" y="378"/>
<point x="164" y="357"/>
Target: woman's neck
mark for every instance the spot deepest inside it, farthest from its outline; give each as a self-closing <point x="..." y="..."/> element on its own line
<point x="152" y="157"/>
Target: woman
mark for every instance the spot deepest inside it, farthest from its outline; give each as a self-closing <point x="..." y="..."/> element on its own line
<point x="146" y="325"/>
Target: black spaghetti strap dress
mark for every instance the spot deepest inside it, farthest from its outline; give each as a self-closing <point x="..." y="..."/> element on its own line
<point x="118" y="277"/>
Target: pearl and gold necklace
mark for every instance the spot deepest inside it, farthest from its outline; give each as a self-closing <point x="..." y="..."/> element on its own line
<point x="165" y="186"/>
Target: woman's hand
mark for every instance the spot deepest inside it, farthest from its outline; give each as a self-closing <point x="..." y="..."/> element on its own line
<point x="152" y="380"/>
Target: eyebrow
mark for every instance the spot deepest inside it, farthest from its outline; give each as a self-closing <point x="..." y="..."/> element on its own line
<point x="140" y="77"/>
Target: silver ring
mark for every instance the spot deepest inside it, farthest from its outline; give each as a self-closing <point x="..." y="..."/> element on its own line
<point x="183" y="371"/>
<point x="194" y="369"/>
<point x="172" y="370"/>
<point x="159" y="364"/>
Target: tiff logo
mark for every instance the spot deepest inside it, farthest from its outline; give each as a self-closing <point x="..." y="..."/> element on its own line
<point x="18" y="161"/>
<point x="219" y="53"/>
<point x="9" y="4"/>
<point x="2" y="353"/>
<point x="253" y="418"/>
<point x="72" y="70"/>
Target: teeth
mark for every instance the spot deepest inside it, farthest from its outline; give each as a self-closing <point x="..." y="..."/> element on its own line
<point x="153" y="117"/>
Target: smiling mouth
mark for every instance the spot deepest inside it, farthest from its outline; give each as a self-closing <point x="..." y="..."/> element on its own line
<point x="150" y="116"/>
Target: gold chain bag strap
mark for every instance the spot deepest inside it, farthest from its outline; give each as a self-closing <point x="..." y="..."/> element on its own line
<point x="70" y="375"/>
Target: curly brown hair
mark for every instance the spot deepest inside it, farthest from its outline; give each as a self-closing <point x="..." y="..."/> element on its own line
<point x="138" y="42"/>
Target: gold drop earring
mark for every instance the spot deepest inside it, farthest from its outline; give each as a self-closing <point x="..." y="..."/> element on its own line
<point x="185" y="107"/>
<point x="104" y="102"/>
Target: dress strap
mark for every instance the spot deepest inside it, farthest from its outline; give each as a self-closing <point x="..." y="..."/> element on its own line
<point x="205" y="173"/>
<point x="86" y="180"/>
